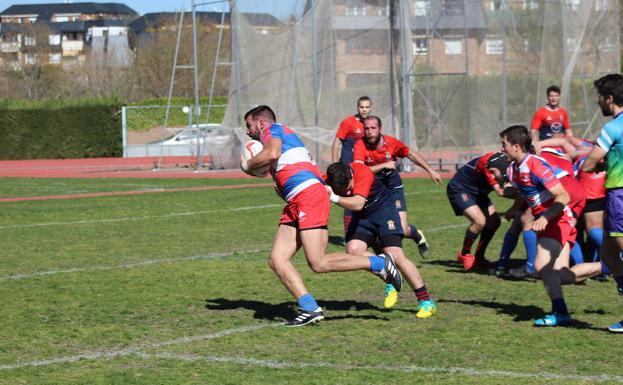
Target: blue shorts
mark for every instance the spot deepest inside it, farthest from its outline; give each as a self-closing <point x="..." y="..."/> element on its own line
<point x="462" y="200"/>
<point x="383" y="224"/>
<point x="398" y="197"/>
<point x="613" y="222"/>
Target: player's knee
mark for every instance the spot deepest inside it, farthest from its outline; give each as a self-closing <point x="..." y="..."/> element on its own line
<point x="494" y="222"/>
<point x="354" y="249"/>
<point x="318" y="265"/>
<point x="478" y="225"/>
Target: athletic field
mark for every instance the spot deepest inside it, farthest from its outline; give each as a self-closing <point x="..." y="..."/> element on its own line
<point x="167" y="283"/>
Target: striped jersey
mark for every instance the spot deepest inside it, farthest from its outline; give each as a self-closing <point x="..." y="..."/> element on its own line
<point x="295" y="169"/>
<point x="611" y="140"/>
<point x="533" y="177"/>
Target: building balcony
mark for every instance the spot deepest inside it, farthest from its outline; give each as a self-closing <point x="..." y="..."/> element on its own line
<point x="9" y="47"/>
<point x="72" y="47"/>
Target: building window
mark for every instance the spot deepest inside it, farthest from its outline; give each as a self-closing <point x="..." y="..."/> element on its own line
<point x="362" y="47"/>
<point x="355" y="8"/>
<point x="495" y="5"/>
<point x="453" y="46"/>
<point x="605" y="46"/>
<point x="55" y="58"/>
<point x="602" y="5"/>
<point x="574" y="4"/>
<point x="420" y="45"/>
<point x="30" y="41"/>
<point x="54" y="39"/>
<point x="61" y="19"/>
<point x="419" y="8"/>
<point x="530" y="5"/>
<point x="32" y="19"/>
<point x="494" y="46"/>
<point x="30" y="58"/>
<point x="572" y="43"/>
<point x="453" y="7"/>
<point x="383" y="11"/>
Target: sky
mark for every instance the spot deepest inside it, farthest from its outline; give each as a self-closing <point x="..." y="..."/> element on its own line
<point x="279" y="8"/>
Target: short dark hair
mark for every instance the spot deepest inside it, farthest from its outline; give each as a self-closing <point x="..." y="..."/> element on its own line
<point x="518" y="135"/>
<point x="553" y="88"/>
<point x="611" y="85"/>
<point x="373" y="117"/>
<point x="364" y="99"/>
<point x="262" y="110"/>
<point x="338" y="176"/>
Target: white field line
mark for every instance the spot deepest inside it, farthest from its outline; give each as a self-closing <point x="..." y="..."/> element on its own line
<point x="130" y="265"/>
<point x="425" y="192"/>
<point x="139" y="351"/>
<point x="126" y="219"/>
<point x="148" y="262"/>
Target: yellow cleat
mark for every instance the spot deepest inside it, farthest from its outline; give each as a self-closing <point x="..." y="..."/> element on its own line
<point x="426" y="309"/>
<point x="391" y="296"/>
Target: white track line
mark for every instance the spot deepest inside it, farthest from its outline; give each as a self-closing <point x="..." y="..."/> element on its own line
<point x="111" y="353"/>
<point x="131" y="265"/>
<point x="125" y="219"/>
<point x="139" y="351"/>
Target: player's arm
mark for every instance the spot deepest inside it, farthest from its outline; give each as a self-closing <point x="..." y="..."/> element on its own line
<point x="352" y="203"/>
<point x="389" y="165"/>
<point x="270" y="153"/>
<point x="561" y="199"/>
<point x="562" y="142"/>
<point x="535" y="127"/>
<point x="590" y="164"/>
<point x="518" y="207"/>
<point x="418" y="160"/>
<point x="335" y="149"/>
<point x="505" y="192"/>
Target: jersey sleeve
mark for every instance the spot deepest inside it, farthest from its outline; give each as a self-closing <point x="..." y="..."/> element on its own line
<point x="565" y="121"/>
<point x="605" y="140"/>
<point x="343" y="130"/>
<point x="398" y="149"/>
<point x="544" y="175"/>
<point x="359" y="151"/>
<point x="536" y="121"/>
<point x="276" y="131"/>
<point x="363" y="179"/>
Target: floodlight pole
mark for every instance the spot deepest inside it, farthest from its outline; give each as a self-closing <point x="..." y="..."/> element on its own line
<point x="405" y="83"/>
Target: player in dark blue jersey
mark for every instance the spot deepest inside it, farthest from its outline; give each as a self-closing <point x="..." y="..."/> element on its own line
<point x="375" y="217"/>
<point x="468" y="195"/>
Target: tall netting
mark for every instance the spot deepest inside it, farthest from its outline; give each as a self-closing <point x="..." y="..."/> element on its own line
<point x="445" y="76"/>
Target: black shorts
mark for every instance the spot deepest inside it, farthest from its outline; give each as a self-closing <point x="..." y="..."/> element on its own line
<point x="593" y="205"/>
<point x="383" y="224"/>
<point x="462" y="200"/>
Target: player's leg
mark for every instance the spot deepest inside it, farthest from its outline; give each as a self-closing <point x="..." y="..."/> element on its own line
<point x="530" y="241"/>
<point x="508" y="246"/>
<point x="478" y="221"/>
<point x="548" y="250"/>
<point x="410" y="230"/>
<point x="492" y="223"/>
<point x="612" y="243"/>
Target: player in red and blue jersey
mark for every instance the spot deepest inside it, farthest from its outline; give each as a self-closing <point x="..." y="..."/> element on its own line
<point x="349" y="132"/>
<point x="554" y="221"/>
<point x="550" y="120"/>
<point x="355" y="188"/>
<point x="468" y="193"/>
<point x="305" y="217"/>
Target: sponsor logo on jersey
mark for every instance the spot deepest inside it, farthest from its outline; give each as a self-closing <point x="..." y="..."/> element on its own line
<point x="391" y="225"/>
<point x="398" y="204"/>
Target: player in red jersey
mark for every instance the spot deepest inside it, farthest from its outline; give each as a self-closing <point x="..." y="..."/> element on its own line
<point x="379" y="152"/>
<point x="554" y="221"/>
<point x="375" y="219"/>
<point x="550" y="120"/>
<point x="305" y="217"/>
<point x="349" y="132"/>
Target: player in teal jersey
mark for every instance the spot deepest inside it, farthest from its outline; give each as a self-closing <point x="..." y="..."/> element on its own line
<point x="610" y="145"/>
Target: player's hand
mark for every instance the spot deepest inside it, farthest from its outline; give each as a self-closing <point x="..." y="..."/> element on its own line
<point x="509" y="215"/>
<point x="537" y="148"/>
<point x="434" y="175"/>
<point x="539" y="224"/>
<point x="333" y="197"/>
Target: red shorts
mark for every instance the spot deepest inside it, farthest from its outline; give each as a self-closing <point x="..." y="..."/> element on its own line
<point x="577" y="199"/>
<point x="308" y="209"/>
<point x="561" y="228"/>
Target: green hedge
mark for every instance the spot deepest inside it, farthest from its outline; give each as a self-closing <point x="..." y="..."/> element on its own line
<point x="60" y="130"/>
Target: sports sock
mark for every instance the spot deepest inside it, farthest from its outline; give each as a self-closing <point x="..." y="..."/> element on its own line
<point x="413" y="234"/>
<point x="619" y="281"/>
<point x="307" y="302"/>
<point x="468" y="241"/>
<point x="596" y="235"/>
<point x="529" y="240"/>
<point x="604" y="268"/>
<point x="422" y="294"/>
<point x="559" y="306"/>
<point x="510" y="242"/>
<point x="376" y="263"/>
<point x="485" y="237"/>
<point x="576" y="254"/>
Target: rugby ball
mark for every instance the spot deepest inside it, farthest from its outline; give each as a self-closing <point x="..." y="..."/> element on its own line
<point x="251" y="149"/>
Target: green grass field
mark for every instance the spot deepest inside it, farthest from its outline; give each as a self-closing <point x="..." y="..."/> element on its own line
<point x="173" y="288"/>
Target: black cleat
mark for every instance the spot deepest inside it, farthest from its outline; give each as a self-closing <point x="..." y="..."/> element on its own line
<point x="422" y="245"/>
<point x="306" y="318"/>
<point x="390" y="273"/>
